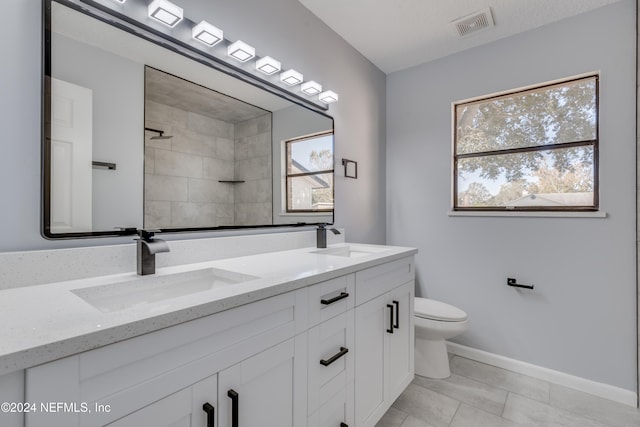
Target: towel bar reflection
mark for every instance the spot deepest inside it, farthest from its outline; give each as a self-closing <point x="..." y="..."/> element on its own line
<point x="104" y="165"/>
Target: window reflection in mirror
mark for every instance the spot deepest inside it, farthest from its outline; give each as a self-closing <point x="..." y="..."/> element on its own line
<point x="309" y="175"/>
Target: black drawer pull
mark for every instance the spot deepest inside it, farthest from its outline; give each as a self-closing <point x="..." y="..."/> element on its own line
<point x="344" y="425"/>
<point x="397" y="323"/>
<point x="234" y="407"/>
<point x="390" y="330"/>
<point x="211" y="412"/>
<point x="338" y="355"/>
<point x="342" y="295"/>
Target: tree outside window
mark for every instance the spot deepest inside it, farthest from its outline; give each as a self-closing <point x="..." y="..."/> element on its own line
<point x="533" y="149"/>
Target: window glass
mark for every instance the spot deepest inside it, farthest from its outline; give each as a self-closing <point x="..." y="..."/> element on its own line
<point x="533" y="149"/>
<point x="309" y="173"/>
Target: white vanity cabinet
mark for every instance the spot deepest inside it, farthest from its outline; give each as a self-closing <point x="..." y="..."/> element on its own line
<point x="384" y="338"/>
<point x="318" y="356"/>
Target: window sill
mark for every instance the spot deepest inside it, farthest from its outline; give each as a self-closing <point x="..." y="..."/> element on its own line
<point x="530" y="214"/>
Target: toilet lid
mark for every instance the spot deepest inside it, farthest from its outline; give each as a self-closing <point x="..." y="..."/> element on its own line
<point x="436" y="310"/>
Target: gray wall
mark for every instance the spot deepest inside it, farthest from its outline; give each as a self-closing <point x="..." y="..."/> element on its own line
<point x="580" y="319"/>
<point x="283" y="29"/>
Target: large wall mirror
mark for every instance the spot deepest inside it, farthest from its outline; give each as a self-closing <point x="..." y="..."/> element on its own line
<point x="139" y="135"/>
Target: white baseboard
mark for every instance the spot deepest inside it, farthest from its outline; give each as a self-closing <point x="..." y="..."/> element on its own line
<point x="605" y="391"/>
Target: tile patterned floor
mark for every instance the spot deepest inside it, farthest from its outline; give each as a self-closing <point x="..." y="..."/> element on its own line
<point x="479" y="395"/>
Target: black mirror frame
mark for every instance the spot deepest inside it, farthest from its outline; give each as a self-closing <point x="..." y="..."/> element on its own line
<point x="113" y="18"/>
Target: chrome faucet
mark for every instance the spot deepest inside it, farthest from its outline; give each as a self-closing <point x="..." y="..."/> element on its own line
<point x="146" y="249"/>
<point x="321" y="235"/>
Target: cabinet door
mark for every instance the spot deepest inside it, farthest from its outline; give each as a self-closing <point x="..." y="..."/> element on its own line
<point x="372" y="320"/>
<point x="384" y="352"/>
<point x="181" y="409"/>
<point x="401" y="342"/>
<point x="267" y="389"/>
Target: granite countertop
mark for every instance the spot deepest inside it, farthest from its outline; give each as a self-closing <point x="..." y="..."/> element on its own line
<point x="42" y="323"/>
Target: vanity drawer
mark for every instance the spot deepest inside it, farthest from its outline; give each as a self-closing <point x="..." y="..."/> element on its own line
<point x="378" y="280"/>
<point x="330" y="358"/>
<point x="330" y="298"/>
<point x="337" y="410"/>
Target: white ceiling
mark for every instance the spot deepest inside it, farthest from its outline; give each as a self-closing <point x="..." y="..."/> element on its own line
<point x="398" y="34"/>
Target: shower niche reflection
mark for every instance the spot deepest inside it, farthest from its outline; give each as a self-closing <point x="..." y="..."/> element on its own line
<point x="207" y="157"/>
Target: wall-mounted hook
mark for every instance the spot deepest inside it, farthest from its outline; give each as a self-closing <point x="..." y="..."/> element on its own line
<point x="512" y="282"/>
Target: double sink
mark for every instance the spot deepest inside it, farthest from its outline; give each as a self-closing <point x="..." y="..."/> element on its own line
<point x="129" y="293"/>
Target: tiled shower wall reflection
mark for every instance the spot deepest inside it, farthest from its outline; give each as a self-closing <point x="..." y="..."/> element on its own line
<point x="182" y="173"/>
<point x="252" y="199"/>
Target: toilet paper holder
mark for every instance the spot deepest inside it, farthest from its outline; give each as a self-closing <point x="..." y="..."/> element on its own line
<point x="512" y="282"/>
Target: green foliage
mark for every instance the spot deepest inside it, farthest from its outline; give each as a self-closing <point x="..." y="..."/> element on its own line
<point x="322" y="159"/>
<point x="475" y="195"/>
<point x="551" y="115"/>
<point x="575" y="179"/>
<point x="510" y="191"/>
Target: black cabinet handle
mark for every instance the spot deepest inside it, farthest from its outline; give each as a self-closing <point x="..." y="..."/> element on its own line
<point x="397" y="322"/>
<point x="342" y="295"/>
<point x="344" y="425"/>
<point x="234" y="407"/>
<point x="390" y="330"/>
<point x="338" y="355"/>
<point x="211" y="412"/>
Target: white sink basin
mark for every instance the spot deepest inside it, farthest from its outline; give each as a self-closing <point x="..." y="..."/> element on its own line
<point x="350" y="251"/>
<point x="151" y="289"/>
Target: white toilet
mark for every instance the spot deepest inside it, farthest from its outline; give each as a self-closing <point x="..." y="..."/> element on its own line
<point x="435" y="322"/>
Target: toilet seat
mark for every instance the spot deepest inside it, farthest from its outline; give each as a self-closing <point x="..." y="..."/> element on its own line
<point x="436" y="310"/>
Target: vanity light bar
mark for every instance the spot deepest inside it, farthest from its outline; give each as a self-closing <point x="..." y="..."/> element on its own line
<point x="311" y="87"/>
<point x="328" y="97"/>
<point x="241" y="51"/>
<point x="207" y="33"/>
<point x="165" y="12"/>
<point x="291" y="77"/>
<point x="170" y="15"/>
<point x="268" y="65"/>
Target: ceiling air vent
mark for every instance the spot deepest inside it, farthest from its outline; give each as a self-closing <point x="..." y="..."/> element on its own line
<point x="473" y="23"/>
